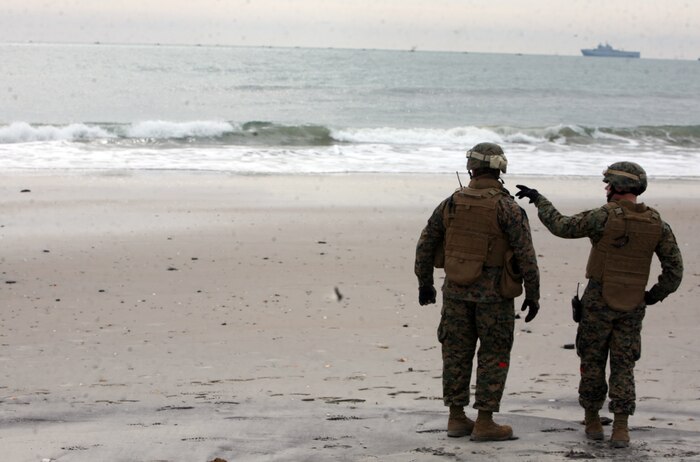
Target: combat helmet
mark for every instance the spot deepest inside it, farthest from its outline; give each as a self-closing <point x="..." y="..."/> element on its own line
<point x="487" y="155"/>
<point x="626" y="177"/>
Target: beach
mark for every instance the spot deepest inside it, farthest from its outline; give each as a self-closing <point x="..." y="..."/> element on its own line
<point x="175" y="316"/>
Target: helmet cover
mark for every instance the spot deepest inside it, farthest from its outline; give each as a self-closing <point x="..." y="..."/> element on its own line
<point x="626" y="177"/>
<point x="487" y="155"/>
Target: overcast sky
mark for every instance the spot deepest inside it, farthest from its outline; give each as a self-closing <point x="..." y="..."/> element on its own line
<point x="667" y="29"/>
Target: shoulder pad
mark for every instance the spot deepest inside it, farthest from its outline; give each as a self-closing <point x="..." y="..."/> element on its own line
<point x="614" y="208"/>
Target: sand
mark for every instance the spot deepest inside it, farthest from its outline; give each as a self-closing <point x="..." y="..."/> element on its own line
<point x="189" y="316"/>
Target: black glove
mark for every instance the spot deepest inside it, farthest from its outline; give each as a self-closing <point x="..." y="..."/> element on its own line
<point x="524" y="192"/>
<point x="650" y="299"/>
<point x="532" y="308"/>
<point x="426" y="295"/>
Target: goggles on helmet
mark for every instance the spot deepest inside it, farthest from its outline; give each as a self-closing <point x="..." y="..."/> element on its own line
<point x="632" y="176"/>
<point x="497" y="161"/>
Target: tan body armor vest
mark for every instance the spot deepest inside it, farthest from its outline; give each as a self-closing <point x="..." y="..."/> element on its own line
<point x="473" y="238"/>
<point x="621" y="260"/>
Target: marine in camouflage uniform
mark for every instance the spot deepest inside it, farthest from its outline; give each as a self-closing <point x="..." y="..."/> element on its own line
<point x="478" y="311"/>
<point x="611" y="321"/>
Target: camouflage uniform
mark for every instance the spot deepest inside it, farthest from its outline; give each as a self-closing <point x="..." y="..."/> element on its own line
<point x="603" y="331"/>
<point x="477" y="311"/>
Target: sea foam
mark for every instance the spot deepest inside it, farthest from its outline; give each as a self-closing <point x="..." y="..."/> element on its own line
<point x="161" y="129"/>
<point x="22" y="132"/>
<point x="269" y="148"/>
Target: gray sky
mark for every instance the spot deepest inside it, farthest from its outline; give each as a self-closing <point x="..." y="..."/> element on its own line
<point x="667" y="29"/>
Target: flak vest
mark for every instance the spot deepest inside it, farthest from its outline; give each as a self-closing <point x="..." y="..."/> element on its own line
<point x="621" y="260"/>
<point x="474" y="239"/>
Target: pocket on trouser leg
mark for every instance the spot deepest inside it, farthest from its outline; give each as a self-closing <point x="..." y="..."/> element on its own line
<point x="441" y="332"/>
<point x="627" y="339"/>
<point x="578" y="346"/>
<point x="636" y="347"/>
<point x="588" y="340"/>
<point x="496" y="334"/>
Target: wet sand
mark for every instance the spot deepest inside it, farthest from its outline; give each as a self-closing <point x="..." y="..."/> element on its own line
<point x="185" y="317"/>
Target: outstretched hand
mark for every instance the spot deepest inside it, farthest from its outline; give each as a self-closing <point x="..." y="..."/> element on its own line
<point x="532" y="307"/>
<point x="524" y="192"/>
<point x="649" y="299"/>
<point x="426" y="295"/>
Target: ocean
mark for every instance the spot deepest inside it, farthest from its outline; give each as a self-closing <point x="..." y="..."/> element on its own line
<point x="239" y="110"/>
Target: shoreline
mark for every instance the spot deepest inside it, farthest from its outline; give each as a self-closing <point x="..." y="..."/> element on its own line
<point x="188" y="317"/>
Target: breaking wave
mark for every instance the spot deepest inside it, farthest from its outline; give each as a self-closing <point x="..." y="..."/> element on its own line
<point x="270" y="134"/>
<point x="165" y="132"/>
<point x="266" y="147"/>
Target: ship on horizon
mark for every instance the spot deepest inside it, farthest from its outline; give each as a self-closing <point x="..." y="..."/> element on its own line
<point x="607" y="51"/>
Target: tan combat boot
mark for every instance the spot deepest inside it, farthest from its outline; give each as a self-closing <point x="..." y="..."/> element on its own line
<point x="620" y="433"/>
<point x="594" y="429"/>
<point x="459" y="424"/>
<point x="485" y="429"/>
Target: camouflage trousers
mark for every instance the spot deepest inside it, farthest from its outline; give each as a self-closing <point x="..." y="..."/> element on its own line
<point x="462" y="324"/>
<point x="604" y="333"/>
